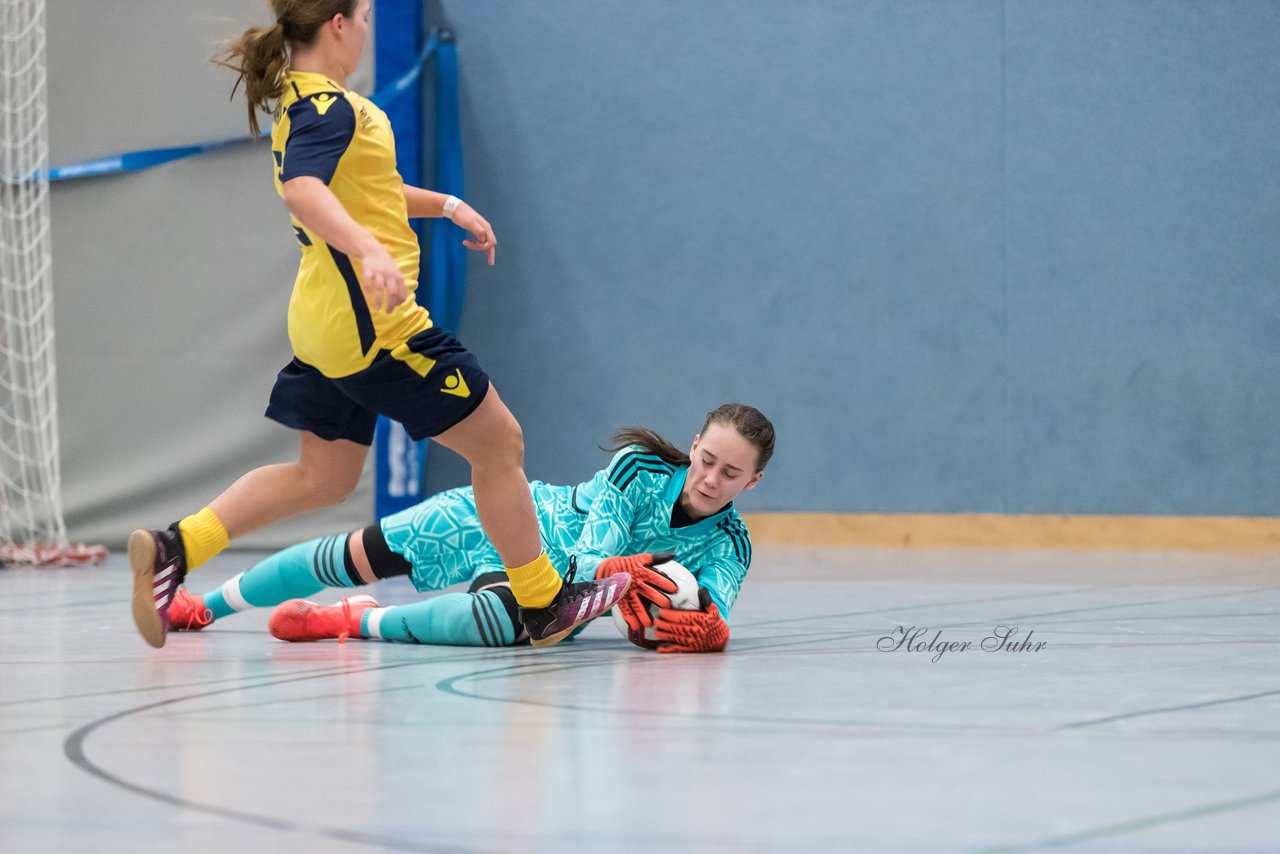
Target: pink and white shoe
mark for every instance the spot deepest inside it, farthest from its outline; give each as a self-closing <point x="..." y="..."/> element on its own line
<point x="159" y="565"/>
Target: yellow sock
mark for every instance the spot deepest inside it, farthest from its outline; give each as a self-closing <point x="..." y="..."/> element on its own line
<point x="203" y="536"/>
<point x="535" y="584"/>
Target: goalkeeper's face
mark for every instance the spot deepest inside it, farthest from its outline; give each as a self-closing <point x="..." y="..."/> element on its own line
<point x="722" y="464"/>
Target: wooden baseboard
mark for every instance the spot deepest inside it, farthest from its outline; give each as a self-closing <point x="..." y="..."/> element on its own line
<point x="990" y="530"/>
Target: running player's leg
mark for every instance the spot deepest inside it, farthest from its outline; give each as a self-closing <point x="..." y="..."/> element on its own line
<point x="325" y="473"/>
<point x="550" y="609"/>
<point x="335" y="436"/>
<point x="490" y="439"/>
<point x="436" y="389"/>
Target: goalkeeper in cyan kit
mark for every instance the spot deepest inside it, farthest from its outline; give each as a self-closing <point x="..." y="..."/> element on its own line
<point x="651" y="499"/>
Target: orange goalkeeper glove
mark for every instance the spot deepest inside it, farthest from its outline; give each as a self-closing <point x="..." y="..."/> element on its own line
<point x="692" y="631"/>
<point x="646" y="586"/>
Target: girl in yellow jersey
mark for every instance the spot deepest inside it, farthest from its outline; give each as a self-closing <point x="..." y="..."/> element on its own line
<point x="362" y="345"/>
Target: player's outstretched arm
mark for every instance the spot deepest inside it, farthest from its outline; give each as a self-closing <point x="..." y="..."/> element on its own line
<point x="692" y="631"/>
<point x="314" y="205"/>
<point x="429" y="203"/>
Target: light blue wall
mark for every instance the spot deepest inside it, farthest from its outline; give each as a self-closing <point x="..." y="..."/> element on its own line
<point x="968" y="256"/>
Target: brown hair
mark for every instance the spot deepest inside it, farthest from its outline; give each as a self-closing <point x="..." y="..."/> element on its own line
<point x="747" y="420"/>
<point x="261" y="54"/>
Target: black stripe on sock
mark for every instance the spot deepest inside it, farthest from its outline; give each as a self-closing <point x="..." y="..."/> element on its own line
<point x="486" y="605"/>
<point x="508" y="600"/>
<point x="480" y="623"/>
<point x="317" y="563"/>
<point x="332" y="562"/>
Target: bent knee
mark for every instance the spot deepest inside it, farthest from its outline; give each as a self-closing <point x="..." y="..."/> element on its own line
<point x="503" y="447"/>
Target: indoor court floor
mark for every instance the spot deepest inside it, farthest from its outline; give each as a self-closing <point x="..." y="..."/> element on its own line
<point x="1136" y="709"/>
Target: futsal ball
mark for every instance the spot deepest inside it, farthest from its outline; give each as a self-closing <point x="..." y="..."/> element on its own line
<point x="684" y="599"/>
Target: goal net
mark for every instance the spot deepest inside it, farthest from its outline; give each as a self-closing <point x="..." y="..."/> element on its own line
<point x="32" y="529"/>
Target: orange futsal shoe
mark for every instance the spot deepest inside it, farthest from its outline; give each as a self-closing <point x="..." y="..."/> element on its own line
<point x="304" y="620"/>
<point x="187" y="613"/>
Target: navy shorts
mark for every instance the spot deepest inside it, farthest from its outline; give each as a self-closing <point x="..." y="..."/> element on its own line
<point x="426" y="404"/>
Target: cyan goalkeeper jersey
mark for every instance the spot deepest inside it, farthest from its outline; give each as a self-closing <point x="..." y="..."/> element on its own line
<point x="625" y="509"/>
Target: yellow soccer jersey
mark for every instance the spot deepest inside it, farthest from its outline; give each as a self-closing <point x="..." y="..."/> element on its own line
<point x="325" y="131"/>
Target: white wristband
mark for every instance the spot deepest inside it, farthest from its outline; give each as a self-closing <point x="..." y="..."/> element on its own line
<point x="450" y="205"/>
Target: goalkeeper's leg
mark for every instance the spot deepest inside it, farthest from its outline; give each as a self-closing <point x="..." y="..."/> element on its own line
<point x="296" y="572"/>
<point x="337" y="561"/>
<point x="487" y="617"/>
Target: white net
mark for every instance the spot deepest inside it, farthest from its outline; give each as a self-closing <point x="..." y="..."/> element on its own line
<point x="31" y="521"/>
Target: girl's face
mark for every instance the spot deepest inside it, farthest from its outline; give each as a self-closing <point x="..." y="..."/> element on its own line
<point x="721" y="465"/>
<point x="354" y="35"/>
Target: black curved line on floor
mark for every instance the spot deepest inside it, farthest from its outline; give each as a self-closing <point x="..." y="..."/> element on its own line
<point x="239" y="680"/>
<point x="73" y="748"/>
<point x="1167" y="709"/>
<point x="810" y="618"/>
<point x="448" y="685"/>
<point x="1138" y="824"/>
<point x="957" y="602"/>
<point x="1119" y="605"/>
<point x="753" y="647"/>
<point x="30" y="606"/>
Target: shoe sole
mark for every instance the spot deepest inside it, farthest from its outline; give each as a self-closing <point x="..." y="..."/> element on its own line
<point x="552" y="640"/>
<point x="142" y="556"/>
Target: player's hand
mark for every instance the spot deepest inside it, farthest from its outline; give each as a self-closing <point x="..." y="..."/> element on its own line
<point x="483" y="238"/>
<point x="381" y="279"/>
<point x="692" y="631"/>
<point x="646" y="586"/>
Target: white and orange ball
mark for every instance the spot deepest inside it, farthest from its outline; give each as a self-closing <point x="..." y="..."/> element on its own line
<point x="684" y="599"/>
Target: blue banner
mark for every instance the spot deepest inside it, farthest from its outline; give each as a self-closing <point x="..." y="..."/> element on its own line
<point x="448" y="255"/>
<point x="399" y="462"/>
<point x="137" y="161"/>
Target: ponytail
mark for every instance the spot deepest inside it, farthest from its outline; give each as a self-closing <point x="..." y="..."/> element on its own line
<point x="651" y="442"/>
<point x="260" y="56"/>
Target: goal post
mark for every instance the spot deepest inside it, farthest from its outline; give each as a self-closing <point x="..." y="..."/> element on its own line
<point x="32" y="527"/>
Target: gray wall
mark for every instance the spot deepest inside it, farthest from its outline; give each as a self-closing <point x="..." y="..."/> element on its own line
<point x="969" y="256"/>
